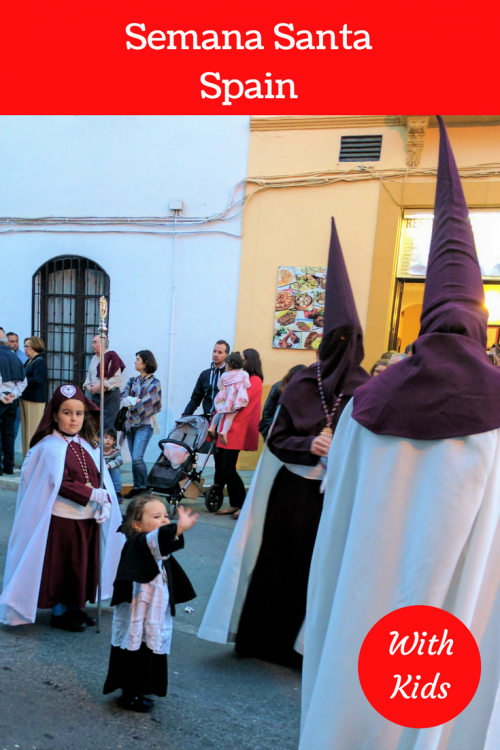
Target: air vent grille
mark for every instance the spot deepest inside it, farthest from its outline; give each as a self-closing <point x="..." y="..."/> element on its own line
<point x="360" y="148"/>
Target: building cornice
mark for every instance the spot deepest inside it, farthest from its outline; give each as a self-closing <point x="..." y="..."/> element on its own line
<point x="323" y="122"/>
<point x="416" y="125"/>
<point x="320" y="122"/>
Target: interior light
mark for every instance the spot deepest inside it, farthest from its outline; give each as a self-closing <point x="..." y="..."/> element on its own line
<point x="492" y="301"/>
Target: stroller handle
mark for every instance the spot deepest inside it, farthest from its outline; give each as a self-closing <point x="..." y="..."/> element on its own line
<point x="176" y="442"/>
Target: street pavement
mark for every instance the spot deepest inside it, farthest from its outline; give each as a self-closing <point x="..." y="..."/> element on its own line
<point x="51" y="681"/>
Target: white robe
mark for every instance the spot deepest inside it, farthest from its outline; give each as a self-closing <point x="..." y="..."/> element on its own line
<point x="222" y="616"/>
<point x="41" y="478"/>
<point x="404" y="522"/>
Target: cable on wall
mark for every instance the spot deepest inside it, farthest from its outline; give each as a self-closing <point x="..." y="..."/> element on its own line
<point x="185" y="225"/>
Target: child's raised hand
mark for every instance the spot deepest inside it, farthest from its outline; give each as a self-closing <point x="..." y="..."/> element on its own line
<point x="187" y="519"/>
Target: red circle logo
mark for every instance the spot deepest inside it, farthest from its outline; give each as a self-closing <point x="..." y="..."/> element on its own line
<point x="419" y="666"/>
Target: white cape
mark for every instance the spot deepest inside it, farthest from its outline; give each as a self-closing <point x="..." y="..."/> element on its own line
<point x="220" y="622"/>
<point x="41" y="478"/>
<point x="404" y="522"/>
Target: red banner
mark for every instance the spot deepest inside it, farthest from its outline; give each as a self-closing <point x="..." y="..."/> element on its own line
<point x="257" y="58"/>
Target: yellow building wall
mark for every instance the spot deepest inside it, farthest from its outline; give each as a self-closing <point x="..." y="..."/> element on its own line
<point x="291" y="226"/>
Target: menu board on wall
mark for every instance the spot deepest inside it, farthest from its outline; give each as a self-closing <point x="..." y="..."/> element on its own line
<point x="416" y="239"/>
<point x="300" y="305"/>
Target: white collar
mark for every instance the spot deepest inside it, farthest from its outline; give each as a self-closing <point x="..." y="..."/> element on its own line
<point x="67" y="438"/>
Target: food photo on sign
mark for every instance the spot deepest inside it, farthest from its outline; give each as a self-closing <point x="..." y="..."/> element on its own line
<point x="300" y="302"/>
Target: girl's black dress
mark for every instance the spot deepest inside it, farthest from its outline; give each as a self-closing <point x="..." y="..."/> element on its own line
<point x="143" y="672"/>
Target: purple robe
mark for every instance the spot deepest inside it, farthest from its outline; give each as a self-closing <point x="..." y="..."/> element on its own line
<point x="70" y="567"/>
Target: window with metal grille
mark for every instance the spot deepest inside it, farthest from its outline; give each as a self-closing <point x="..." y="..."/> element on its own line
<point x="66" y="292"/>
<point x="360" y="147"/>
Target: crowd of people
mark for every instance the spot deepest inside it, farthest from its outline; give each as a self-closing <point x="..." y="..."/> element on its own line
<point x="230" y="395"/>
<point x="23" y="396"/>
<point x="234" y="409"/>
<point x="374" y="491"/>
<point x="23" y="385"/>
<point x="230" y="385"/>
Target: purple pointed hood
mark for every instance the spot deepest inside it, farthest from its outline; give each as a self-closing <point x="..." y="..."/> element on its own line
<point x="448" y="388"/>
<point x="340" y="309"/>
<point x="340" y="352"/>
<point x="454" y="294"/>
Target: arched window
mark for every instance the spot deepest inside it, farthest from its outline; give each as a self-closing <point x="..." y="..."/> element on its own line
<point x="66" y="292"/>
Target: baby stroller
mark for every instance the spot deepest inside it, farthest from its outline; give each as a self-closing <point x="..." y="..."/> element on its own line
<point x="166" y="476"/>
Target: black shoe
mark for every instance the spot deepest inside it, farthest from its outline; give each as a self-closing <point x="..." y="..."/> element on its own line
<point x="138" y="703"/>
<point x="67" y="621"/>
<point x="119" y="498"/>
<point x="132" y="493"/>
<point x="8" y="471"/>
<point x="84" y="617"/>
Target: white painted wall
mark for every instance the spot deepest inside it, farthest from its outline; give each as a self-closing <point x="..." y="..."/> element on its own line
<point x="130" y="166"/>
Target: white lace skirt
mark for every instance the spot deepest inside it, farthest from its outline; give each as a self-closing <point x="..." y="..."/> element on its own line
<point x="146" y="620"/>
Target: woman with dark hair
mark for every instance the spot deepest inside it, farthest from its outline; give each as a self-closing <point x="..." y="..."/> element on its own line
<point x="273" y="399"/>
<point x="32" y="401"/>
<point x="243" y="436"/>
<point x="142" y="396"/>
<point x="253" y="365"/>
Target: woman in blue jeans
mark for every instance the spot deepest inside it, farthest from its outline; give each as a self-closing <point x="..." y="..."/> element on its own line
<point x="142" y="395"/>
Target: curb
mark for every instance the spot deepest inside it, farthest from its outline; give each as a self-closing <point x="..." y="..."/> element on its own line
<point x="13" y="485"/>
<point x="10" y="483"/>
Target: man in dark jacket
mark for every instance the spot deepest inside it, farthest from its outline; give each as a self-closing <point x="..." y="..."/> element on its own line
<point x="207" y="384"/>
<point x="205" y="391"/>
<point x="12" y="384"/>
<point x="14" y="345"/>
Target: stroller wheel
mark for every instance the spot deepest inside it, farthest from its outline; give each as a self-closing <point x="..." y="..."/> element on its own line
<point x="214" y="497"/>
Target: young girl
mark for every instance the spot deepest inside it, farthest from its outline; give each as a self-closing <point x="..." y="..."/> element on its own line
<point x="148" y="585"/>
<point x="113" y="458"/>
<point x="52" y="559"/>
<point x="232" y="396"/>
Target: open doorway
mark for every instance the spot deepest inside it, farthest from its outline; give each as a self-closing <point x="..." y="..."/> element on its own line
<point x="408" y="301"/>
<point x="413" y="254"/>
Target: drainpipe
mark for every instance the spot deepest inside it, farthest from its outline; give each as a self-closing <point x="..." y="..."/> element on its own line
<point x="176" y="207"/>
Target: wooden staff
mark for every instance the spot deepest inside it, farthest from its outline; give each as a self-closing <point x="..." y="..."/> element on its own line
<point x="103" y="331"/>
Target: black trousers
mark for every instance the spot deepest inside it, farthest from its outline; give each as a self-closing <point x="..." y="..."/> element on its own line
<point x="219" y="476"/>
<point x="8" y="413"/>
<point x="226" y="474"/>
<point x="111" y="406"/>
